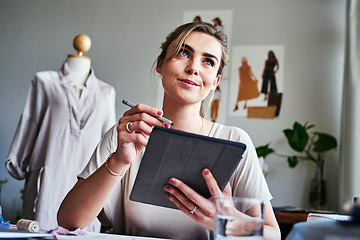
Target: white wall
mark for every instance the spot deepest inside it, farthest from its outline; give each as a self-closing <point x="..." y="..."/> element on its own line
<point x="37" y="35"/>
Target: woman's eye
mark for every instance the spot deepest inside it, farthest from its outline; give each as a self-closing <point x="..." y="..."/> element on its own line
<point x="183" y="53"/>
<point x="209" y="62"/>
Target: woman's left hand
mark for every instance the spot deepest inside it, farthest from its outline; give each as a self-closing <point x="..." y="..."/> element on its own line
<point x="194" y="205"/>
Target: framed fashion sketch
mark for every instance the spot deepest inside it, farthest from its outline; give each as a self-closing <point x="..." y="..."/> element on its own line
<point x="217" y="109"/>
<point x="256" y="81"/>
<point x="219" y="18"/>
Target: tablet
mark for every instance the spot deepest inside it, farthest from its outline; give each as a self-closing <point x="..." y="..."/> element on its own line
<point x="172" y="153"/>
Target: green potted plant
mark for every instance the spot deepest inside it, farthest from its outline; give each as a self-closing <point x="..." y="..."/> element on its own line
<point x="310" y="146"/>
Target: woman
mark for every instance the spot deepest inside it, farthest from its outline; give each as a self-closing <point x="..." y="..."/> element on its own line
<point x="191" y="63"/>
<point x="270" y="69"/>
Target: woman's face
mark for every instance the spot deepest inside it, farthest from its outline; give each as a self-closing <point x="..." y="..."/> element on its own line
<point x="189" y="76"/>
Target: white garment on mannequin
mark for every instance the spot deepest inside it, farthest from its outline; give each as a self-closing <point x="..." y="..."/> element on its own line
<point x="54" y="115"/>
<point x="79" y="70"/>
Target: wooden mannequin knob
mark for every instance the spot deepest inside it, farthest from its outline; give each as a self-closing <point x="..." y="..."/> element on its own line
<point x="82" y="43"/>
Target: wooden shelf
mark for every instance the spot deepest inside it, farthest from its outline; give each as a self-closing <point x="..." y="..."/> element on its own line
<point x="287" y="219"/>
<point x="290" y="217"/>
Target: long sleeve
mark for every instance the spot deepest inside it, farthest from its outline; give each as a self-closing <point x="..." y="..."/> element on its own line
<point x="26" y="132"/>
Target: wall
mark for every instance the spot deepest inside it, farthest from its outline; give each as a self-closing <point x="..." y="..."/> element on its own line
<point x="37" y="35"/>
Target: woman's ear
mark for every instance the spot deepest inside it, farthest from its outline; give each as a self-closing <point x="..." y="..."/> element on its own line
<point x="159" y="66"/>
<point x="216" y="82"/>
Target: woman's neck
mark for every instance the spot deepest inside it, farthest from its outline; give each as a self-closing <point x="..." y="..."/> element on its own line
<point x="186" y="117"/>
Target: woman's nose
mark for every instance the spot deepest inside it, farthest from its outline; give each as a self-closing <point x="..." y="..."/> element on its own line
<point x="192" y="69"/>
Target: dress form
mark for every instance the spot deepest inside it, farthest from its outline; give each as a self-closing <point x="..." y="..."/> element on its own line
<point x="79" y="65"/>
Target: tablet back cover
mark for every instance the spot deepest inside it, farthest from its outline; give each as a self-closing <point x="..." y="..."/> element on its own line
<point x="172" y="153"/>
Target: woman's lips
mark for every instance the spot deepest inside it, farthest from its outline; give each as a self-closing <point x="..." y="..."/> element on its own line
<point x="188" y="82"/>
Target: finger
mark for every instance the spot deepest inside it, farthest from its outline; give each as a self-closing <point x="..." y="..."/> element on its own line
<point x="185" y="205"/>
<point x="142" y="118"/>
<point x="139" y="126"/>
<point x="129" y="127"/>
<point x="154" y="112"/>
<point x="140" y="123"/>
<point x="125" y="137"/>
<point x="180" y="196"/>
<point x="143" y="108"/>
<point x="211" y="184"/>
<point x="192" y="196"/>
<point x="227" y="191"/>
<point x="179" y="204"/>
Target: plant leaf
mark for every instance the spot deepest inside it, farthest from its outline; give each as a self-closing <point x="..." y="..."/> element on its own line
<point x="297" y="137"/>
<point x="292" y="161"/>
<point x="324" y="142"/>
<point x="309" y="127"/>
<point x="263" y="151"/>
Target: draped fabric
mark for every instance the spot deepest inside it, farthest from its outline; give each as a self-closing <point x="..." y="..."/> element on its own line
<point x="350" y="139"/>
<point x="56" y="135"/>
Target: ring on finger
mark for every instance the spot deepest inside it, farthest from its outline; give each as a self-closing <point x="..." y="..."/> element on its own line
<point x="129" y="127"/>
<point x="193" y="211"/>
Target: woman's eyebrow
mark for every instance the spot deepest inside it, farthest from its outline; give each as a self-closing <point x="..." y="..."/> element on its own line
<point x="211" y="56"/>
<point x="204" y="54"/>
<point x="188" y="47"/>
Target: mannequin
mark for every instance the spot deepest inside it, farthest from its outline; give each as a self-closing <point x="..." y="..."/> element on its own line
<point x="65" y="115"/>
<point x="79" y="65"/>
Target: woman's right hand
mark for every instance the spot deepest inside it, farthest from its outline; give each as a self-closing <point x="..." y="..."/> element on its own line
<point x="133" y="131"/>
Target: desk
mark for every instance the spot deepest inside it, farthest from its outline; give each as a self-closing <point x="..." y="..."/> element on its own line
<point x="325" y="230"/>
<point x="100" y="236"/>
<point x="287" y="219"/>
<point x="15" y="234"/>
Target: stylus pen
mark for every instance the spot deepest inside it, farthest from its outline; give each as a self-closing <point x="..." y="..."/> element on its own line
<point x="130" y="104"/>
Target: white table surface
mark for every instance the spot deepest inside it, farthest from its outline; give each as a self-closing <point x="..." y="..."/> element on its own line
<point x="97" y="236"/>
<point x="16" y="234"/>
